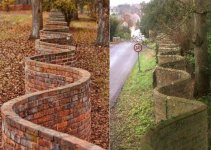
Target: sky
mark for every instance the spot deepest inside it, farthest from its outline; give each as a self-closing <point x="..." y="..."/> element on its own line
<point x="117" y="2"/>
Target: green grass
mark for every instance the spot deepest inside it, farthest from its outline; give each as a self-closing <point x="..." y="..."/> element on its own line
<point x="13" y="25"/>
<point x="84" y="22"/>
<point x="84" y="30"/>
<point x="16" y="19"/>
<point x="16" y="24"/>
<point x="133" y="114"/>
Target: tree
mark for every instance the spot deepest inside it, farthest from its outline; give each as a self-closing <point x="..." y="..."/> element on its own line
<point x="185" y="21"/>
<point x="41" y="15"/>
<point x="162" y="15"/>
<point x="67" y="7"/>
<point x="37" y="18"/>
<point x="75" y="15"/>
<point x="92" y="7"/>
<point x="47" y="5"/>
<point x="6" y="4"/>
<point x="103" y="22"/>
<point x="114" y="22"/>
<point x="124" y="33"/>
<point x="202" y="82"/>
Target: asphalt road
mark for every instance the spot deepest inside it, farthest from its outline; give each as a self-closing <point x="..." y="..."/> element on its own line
<point x="122" y="60"/>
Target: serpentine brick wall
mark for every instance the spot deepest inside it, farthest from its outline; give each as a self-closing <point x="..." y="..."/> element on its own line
<point x="55" y="113"/>
<point x="181" y="122"/>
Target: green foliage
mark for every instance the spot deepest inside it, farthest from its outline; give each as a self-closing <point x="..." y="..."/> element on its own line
<point x="162" y="14"/>
<point x="190" y="57"/>
<point x="6" y="3"/>
<point x="67" y="7"/>
<point x="124" y="33"/>
<point x="46" y="5"/>
<point x="114" y="22"/>
<point x="117" y="30"/>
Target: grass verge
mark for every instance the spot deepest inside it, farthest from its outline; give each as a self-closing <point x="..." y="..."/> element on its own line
<point x="133" y="115"/>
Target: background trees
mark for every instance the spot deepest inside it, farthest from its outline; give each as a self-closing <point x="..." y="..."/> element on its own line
<point x="114" y="22"/>
<point x="186" y="22"/>
<point x="99" y="10"/>
<point x="103" y="22"/>
<point x="6" y="3"/>
<point x="67" y="7"/>
<point x="202" y="81"/>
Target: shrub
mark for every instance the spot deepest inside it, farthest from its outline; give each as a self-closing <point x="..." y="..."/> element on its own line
<point x="124" y="33"/>
<point x="6" y="4"/>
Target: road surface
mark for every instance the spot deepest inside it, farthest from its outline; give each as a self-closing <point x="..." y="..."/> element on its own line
<point x="122" y="60"/>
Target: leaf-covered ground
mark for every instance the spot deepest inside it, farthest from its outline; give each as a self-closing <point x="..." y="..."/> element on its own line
<point x="95" y="59"/>
<point x="15" y="29"/>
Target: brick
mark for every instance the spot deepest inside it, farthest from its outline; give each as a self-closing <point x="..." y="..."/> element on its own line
<point x="181" y="122"/>
<point x="58" y="104"/>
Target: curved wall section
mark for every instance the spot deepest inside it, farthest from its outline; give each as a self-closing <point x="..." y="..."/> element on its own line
<point x="55" y="113"/>
<point x="181" y="122"/>
<point x="54" y="34"/>
<point x="28" y="121"/>
<point x="48" y="46"/>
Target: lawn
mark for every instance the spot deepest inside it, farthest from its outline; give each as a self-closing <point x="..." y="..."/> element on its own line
<point x="133" y="114"/>
<point x="86" y="29"/>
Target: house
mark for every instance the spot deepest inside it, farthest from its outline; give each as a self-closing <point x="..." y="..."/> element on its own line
<point x="131" y="19"/>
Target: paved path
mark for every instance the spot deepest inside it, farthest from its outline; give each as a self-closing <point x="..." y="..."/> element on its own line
<point x="122" y="60"/>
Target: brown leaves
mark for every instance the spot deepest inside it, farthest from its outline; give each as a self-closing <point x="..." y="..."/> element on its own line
<point x="96" y="60"/>
<point x="13" y="53"/>
<point x="15" y="46"/>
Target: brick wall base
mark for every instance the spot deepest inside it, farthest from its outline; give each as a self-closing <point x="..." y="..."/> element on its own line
<point x="55" y="113"/>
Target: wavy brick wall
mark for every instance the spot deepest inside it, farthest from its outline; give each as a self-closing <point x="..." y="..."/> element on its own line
<point x="55" y="113"/>
<point x="181" y="122"/>
<point x="48" y="46"/>
<point x="54" y="34"/>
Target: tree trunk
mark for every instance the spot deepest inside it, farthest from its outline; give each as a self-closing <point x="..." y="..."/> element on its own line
<point x="81" y="9"/>
<point x="41" y="15"/>
<point x="68" y="16"/>
<point x="7" y="8"/>
<point x="202" y="83"/>
<point x="103" y="23"/>
<point x="75" y="14"/>
<point x="37" y="21"/>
